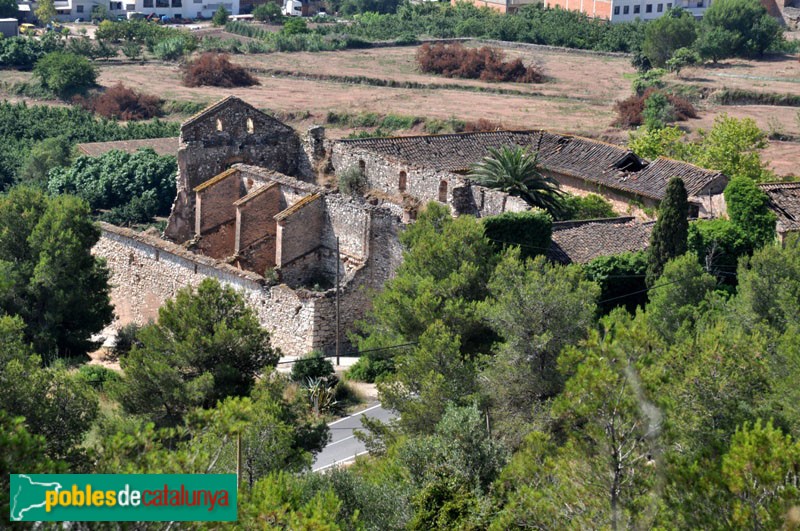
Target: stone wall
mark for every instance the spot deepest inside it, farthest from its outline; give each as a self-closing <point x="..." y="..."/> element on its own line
<point x="146" y="271"/>
<point x="395" y="178"/>
<point x="230" y="132"/>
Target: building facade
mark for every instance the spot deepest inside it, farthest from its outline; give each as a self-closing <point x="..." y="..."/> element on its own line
<point x="629" y="10"/>
<point x="70" y="10"/>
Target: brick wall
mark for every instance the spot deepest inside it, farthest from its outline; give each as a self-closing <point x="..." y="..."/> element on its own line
<point x="300" y="229"/>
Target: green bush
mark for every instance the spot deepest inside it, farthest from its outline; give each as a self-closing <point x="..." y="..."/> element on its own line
<point x="171" y="49"/>
<point x="369" y="370"/>
<point x="97" y="375"/>
<point x="126" y="339"/>
<point x="621" y="278"/>
<point x="591" y="206"/>
<point x="718" y="244"/>
<point x="294" y="26"/>
<point x="352" y="181"/>
<point x="314" y="367"/>
<point x="269" y="12"/>
<point x="65" y="73"/>
<point x="220" y="16"/>
<point x="530" y="230"/>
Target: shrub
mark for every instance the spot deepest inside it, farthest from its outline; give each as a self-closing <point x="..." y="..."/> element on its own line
<point x="313" y="367"/>
<point x="216" y="70"/>
<point x="352" y="181"/>
<point x="294" y="26"/>
<point x="65" y="73"/>
<point x="123" y="103"/>
<point x="592" y="206"/>
<point x="631" y="111"/>
<point x="126" y="339"/>
<point x="97" y="375"/>
<point x="530" y="230"/>
<point x="621" y="278"/>
<point x="171" y="49"/>
<point x="487" y="64"/>
<point x="220" y="16"/>
<point x="269" y="12"/>
<point x="368" y="369"/>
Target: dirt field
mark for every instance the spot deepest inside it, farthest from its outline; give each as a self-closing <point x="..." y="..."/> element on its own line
<point x="577" y="98"/>
<point x="317" y="97"/>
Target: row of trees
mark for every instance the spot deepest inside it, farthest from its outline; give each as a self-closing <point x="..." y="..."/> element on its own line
<point x="34" y="139"/>
<point x="729" y="28"/>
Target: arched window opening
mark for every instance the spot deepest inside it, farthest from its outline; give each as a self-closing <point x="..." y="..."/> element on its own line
<point x="443" y="191"/>
<point x="250" y="128"/>
<point x="219" y="124"/>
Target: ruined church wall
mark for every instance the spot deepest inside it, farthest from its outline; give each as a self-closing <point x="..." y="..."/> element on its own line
<point x="255" y="217"/>
<point x="384" y="175"/>
<point x="424" y="184"/>
<point x="623" y="205"/>
<point x="215" y="203"/>
<point x="147" y="271"/>
<point x="299" y="230"/>
<point x="385" y="255"/>
<point x="205" y="152"/>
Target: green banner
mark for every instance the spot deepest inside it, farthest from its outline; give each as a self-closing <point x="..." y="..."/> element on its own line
<point x="123" y="497"/>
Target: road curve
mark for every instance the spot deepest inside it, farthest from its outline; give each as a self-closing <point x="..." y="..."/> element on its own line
<point x="343" y="446"/>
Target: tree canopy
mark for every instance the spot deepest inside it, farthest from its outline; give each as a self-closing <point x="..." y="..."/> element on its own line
<point x="206" y="345"/>
<point x="47" y="272"/>
<point x="669" y="237"/>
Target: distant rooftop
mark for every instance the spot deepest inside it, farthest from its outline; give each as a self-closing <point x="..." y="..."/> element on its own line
<point x="582" y="241"/>
<point x="591" y="160"/>
<point x="162" y="146"/>
<point x="784" y="200"/>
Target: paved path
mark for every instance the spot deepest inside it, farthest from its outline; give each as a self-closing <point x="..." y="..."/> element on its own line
<point x="344" y="447"/>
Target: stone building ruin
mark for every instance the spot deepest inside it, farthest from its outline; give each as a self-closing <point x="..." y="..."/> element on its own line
<point x="434" y="168"/>
<point x="250" y="212"/>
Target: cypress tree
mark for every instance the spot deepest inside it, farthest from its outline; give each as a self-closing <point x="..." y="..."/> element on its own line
<point x="668" y="239"/>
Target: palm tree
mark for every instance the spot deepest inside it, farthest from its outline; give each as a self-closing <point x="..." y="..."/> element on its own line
<point x="516" y="171"/>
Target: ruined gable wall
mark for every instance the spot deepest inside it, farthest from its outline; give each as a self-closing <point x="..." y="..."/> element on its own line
<point x="215" y="203"/>
<point x="206" y="152"/>
<point x="147" y="271"/>
<point x="255" y="217"/>
<point x="385" y="255"/>
<point x="299" y="230"/>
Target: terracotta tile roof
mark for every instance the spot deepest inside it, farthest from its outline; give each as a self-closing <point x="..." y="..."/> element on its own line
<point x="582" y="241"/>
<point x="162" y="146"/>
<point x="613" y="166"/>
<point x="784" y="200"/>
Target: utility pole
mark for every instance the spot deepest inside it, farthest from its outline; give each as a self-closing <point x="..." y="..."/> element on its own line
<point x="239" y="459"/>
<point x="338" y="259"/>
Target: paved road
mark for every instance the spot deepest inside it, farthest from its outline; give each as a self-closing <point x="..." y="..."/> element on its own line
<point x="344" y="447"/>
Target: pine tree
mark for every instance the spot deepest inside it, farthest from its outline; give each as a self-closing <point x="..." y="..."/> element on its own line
<point x="668" y="239"/>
